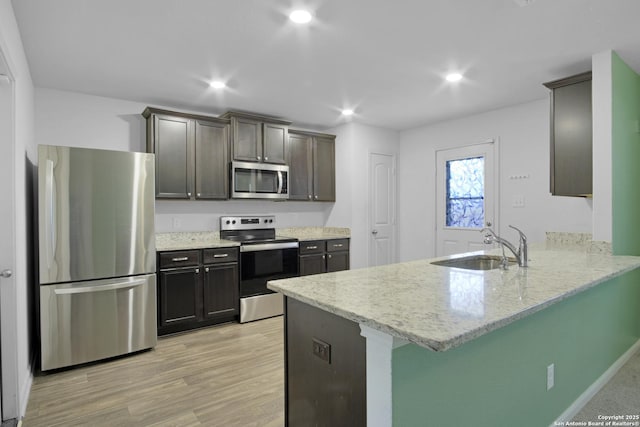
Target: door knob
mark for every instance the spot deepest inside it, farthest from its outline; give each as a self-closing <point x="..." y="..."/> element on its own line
<point x="374" y="232"/>
<point x="6" y="273"/>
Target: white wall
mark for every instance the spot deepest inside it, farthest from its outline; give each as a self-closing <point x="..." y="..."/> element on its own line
<point x="356" y="143"/>
<point x="17" y="384"/>
<point x="602" y="93"/>
<point x="523" y="135"/>
<point x="74" y="119"/>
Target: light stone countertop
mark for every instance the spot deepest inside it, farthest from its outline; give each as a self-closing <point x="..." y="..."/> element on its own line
<point x="314" y="233"/>
<point x="191" y="240"/>
<point x="176" y="241"/>
<point x="440" y="308"/>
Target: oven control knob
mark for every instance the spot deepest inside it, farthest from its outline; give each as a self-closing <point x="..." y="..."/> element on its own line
<point x="228" y="222"/>
<point x="270" y="220"/>
<point x="233" y="222"/>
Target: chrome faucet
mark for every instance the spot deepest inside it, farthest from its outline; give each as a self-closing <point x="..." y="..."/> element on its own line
<point x="520" y="253"/>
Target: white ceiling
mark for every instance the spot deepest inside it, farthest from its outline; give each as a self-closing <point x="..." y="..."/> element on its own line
<point x="386" y="59"/>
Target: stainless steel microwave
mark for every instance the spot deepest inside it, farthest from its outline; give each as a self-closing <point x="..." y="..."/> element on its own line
<point x="259" y="181"/>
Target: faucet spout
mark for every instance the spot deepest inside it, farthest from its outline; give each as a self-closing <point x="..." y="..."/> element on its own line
<point x="519" y="253"/>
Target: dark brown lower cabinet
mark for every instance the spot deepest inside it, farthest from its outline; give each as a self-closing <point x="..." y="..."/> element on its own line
<point x="221" y="299"/>
<point x="325" y="368"/>
<point x="197" y="288"/>
<point x="323" y="256"/>
<point x="178" y="296"/>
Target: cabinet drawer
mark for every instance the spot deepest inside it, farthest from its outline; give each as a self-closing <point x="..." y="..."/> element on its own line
<point x="214" y="256"/>
<point x="312" y="247"/>
<point x="337" y="245"/>
<point x="179" y="259"/>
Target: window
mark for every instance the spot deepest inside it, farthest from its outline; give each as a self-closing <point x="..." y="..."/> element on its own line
<point x="465" y="193"/>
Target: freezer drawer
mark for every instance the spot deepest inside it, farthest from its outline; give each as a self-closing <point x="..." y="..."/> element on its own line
<point x="86" y="321"/>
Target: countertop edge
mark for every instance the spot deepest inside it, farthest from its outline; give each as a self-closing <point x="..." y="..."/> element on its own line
<point x="448" y="344"/>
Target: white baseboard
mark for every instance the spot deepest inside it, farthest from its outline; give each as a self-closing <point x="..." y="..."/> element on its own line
<point x="594" y="388"/>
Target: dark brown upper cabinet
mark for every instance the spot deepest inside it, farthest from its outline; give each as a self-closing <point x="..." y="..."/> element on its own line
<point x="312" y="168"/>
<point x="191" y="154"/>
<point x="256" y="138"/>
<point x="571" y="136"/>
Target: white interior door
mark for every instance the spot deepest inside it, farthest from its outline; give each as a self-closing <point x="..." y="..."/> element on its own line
<point x="9" y="397"/>
<point x="382" y="209"/>
<point x="7" y="238"/>
<point x="465" y="197"/>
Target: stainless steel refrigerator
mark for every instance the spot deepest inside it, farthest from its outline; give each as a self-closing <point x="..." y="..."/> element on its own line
<point x="97" y="256"/>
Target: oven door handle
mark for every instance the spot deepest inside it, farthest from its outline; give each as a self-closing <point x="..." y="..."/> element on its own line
<point x="268" y="246"/>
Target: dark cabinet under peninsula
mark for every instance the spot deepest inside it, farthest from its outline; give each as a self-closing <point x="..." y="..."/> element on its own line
<point x="325" y="368"/>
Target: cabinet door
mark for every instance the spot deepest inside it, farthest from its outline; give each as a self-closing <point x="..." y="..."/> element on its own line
<point x="337" y="261"/>
<point x="274" y="145"/>
<point x="221" y="293"/>
<point x="324" y="170"/>
<point x="247" y="140"/>
<point x="171" y="145"/>
<point x="312" y="264"/>
<point x="300" y="167"/>
<point x="179" y="296"/>
<point x="211" y="174"/>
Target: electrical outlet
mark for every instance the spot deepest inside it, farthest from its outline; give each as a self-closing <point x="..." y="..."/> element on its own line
<point x="322" y="350"/>
<point x="177" y="222"/>
<point x="551" y="376"/>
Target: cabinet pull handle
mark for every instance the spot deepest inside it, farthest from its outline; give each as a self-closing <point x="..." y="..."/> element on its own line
<point x="206" y="270"/>
<point x="266" y="158"/>
<point x="199" y="194"/>
<point x="329" y="256"/>
<point x="258" y="157"/>
<point x="220" y="255"/>
<point x="182" y="258"/>
<point x="188" y="194"/>
<point x="323" y="257"/>
<point x="309" y="196"/>
<point x="316" y="197"/>
<point x="197" y="271"/>
<point x="337" y="245"/>
<point x="312" y="247"/>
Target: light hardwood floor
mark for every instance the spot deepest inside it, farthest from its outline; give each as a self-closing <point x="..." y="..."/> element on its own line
<point x="228" y="375"/>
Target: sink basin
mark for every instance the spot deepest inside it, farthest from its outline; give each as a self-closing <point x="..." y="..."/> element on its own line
<point x="475" y="262"/>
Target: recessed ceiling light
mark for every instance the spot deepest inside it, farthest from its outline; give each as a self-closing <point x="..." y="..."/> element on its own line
<point x="300" y="16"/>
<point x="217" y="84"/>
<point x="454" y="77"/>
<point x="347" y="112"/>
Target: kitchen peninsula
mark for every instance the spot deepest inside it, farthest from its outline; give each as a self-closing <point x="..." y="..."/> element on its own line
<point x="448" y="346"/>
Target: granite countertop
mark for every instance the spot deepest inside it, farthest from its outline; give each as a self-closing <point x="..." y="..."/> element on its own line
<point x="191" y="240"/>
<point x="211" y="239"/>
<point x="314" y="233"/>
<point x="440" y="308"/>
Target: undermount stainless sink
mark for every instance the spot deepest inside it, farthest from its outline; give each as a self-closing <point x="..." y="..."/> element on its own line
<point x="475" y="262"/>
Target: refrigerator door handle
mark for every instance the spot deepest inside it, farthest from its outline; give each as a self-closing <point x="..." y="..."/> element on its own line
<point x="50" y="212"/>
<point x="100" y="288"/>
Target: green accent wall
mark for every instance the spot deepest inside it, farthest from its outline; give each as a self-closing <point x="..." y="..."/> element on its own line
<point x="625" y="154"/>
<point x="499" y="379"/>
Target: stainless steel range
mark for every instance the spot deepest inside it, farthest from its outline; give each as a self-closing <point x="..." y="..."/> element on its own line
<point x="263" y="257"/>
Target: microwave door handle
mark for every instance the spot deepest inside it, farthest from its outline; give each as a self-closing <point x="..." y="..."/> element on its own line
<point x="279" y="182"/>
